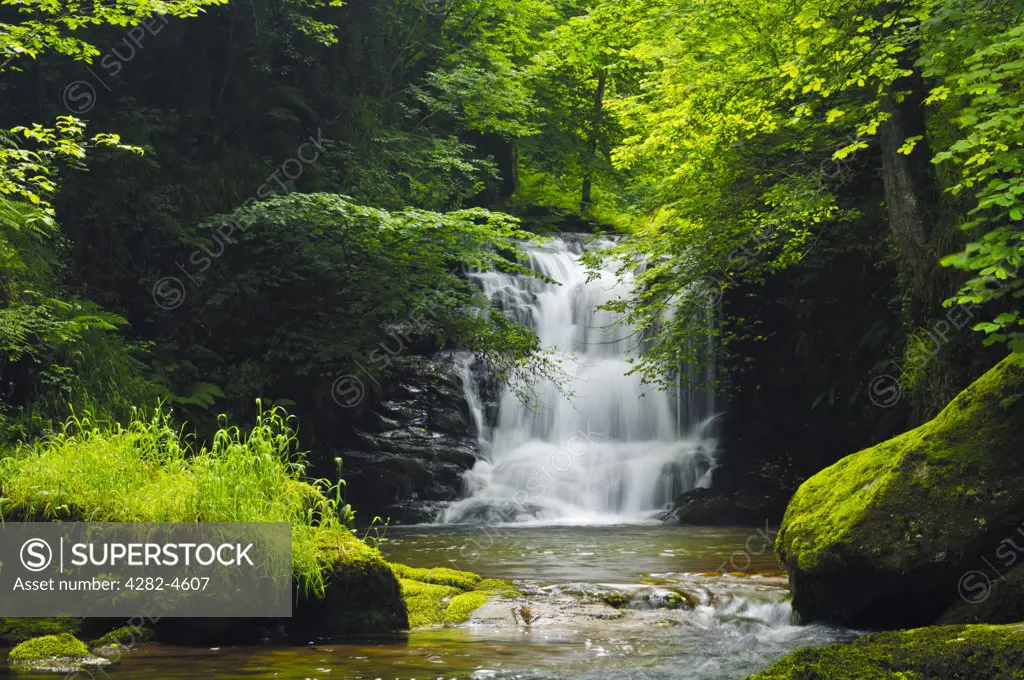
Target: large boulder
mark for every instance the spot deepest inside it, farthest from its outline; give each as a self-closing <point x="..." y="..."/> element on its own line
<point x="885" y="537"/>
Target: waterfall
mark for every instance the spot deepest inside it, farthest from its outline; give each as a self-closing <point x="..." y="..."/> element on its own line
<point x="614" y="448"/>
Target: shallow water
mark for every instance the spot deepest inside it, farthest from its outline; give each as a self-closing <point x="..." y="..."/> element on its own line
<point x="741" y="624"/>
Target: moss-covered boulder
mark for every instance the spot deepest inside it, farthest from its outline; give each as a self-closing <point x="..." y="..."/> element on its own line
<point x="362" y="594"/>
<point x="120" y="640"/>
<point x="882" y="538"/>
<point x="448" y="597"/>
<point x="936" y="653"/>
<point x="63" y="653"/>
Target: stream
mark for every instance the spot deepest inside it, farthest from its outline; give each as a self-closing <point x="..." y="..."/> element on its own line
<point x="740" y="624"/>
<point x="556" y="503"/>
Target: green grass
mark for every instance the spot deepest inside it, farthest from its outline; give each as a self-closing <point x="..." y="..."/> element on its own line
<point x="149" y="471"/>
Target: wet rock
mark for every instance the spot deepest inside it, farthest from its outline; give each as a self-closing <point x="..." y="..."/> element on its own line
<point x="643" y="597"/>
<point x="711" y="507"/>
<point x="414" y="445"/>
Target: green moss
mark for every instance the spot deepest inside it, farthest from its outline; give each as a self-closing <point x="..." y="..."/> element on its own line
<point x="126" y="636"/>
<point x="498" y="586"/>
<point x="462" y="605"/>
<point x="426" y="602"/>
<point x="921" y="492"/>
<point x="935" y="653"/>
<point x="616" y="600"/>
<point x="13" y="631"/>
<point x="62" y="646"/>
<point x="463" y="580"/>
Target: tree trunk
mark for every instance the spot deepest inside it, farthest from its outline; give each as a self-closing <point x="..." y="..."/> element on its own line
<point x="911" y="196"/>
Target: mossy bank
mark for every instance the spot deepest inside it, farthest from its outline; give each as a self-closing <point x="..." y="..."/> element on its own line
<point x="342" y="585"/>
<point x="935" y="653"/>
<point x="884" y="538"/>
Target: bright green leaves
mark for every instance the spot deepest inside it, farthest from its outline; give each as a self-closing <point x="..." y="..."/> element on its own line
<point x="30" y="156"/>
<point x="990" y="157"/>
<point x="50" y="26"/>
<point x="33" y="154"/>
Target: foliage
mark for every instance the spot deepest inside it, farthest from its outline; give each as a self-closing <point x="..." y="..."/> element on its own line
<point x="990" y="157"/>
<point x="55" y="349"/>
<point x="316" y="286"/>
<point x="254" y="476"/>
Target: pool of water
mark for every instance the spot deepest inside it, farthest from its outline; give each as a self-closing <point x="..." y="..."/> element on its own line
<point x="558" y="553"/>
<point x="742" y="621"/>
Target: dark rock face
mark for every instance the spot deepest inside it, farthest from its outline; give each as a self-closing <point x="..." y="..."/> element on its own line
<point x="710" y="507"/>
<point x="896" y="535"/>
<point x="414" y="445"/>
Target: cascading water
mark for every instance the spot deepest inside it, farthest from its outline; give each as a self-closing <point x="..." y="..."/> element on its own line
<point x="613" y="449"/>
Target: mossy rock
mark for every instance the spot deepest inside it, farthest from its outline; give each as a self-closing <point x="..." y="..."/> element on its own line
<point x="362" y="594"/>
<point x="63" y="653"/>
<point x="426" y="602"/>
<point x="463" y="605"/>
<point x="440" y="596"/>
<point x="497" y="586"/>
<point x="989" y="597"/>
<point x="123" y="637"/>
<point x="13" y="631"/>
<point x="935" y="653"/>
<point x="463" y="580"/>
<point x="882" y="538"/>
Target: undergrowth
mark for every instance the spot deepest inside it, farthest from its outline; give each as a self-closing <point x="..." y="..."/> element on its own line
<point x="151" y="471"/>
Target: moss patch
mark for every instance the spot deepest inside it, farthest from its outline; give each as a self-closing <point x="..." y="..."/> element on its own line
<point x="435" y="597"/>
<point x="936" y="653"/>
<point x="62" y="646"/>
<point x="463" y="580"/>
<point x="462" y="605"/>
<point x="498" y="586"/>
<point x="126" y="636"/>
<point x="426" y="602"/>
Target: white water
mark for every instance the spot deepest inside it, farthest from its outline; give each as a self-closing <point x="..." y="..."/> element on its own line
<point x="617" y="448"/>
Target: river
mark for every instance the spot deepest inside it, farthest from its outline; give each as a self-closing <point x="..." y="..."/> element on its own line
<point x="741" y="623"/>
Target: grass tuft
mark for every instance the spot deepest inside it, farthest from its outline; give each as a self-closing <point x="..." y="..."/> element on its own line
<point x="149" y="471"/>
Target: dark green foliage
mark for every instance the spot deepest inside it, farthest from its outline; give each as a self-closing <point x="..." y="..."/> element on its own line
<point x="295" y="292"/>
